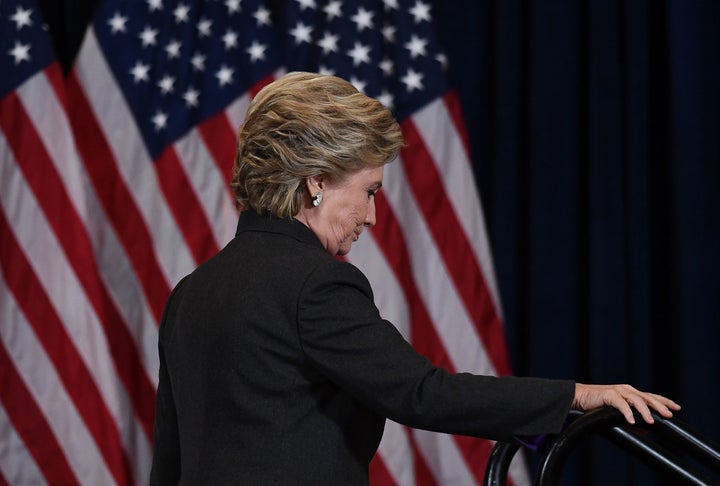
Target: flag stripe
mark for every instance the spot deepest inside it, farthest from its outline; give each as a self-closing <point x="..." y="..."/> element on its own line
<point x="209" y="185"/>
<point x="50" y="120"/>
<point x="116" y="200"/>
<point x="36" y="306"/>
<point x="48" y="392"/>
<point x="380" y="474"/>
<point x="217" y="132"/>
<point x="441" y="128"/>
<point x="131" y="184"/>
<point x="29" y="422"/>
<point x="42" y="176"/>
<point x="48" y="259"/>
<point x="450" y="237"/>
<point x="423" y="332"/>
<point x="185" y="206"/>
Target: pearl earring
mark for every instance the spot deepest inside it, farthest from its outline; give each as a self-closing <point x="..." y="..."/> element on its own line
<point x="317" y="199"/>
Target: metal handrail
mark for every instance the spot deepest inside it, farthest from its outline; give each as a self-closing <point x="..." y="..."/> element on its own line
<point x="498" y="464"/>
<point x="635" y="439"/>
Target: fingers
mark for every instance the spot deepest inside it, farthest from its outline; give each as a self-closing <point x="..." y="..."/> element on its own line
<point x="625" y="398"/>
<point x="643" y="402"/>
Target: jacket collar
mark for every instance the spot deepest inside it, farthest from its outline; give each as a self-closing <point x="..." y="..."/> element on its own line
<point x="267" y="223"/>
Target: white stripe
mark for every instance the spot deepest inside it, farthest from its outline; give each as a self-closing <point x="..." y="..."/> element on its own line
<point x="67" y="296"/>
<point x="447" y="312"/>
<point x="397" y="454"/>
<point x="444" y="458"/>
<point x="50" y="120"/>
<point x="209" y="185"/>
<point x="39" y="375"/>
<point x="445" y="145"/>
<point x="389" y="297"/>
<point x="236" y="111"/>
<point x="518" y="470"/>
<point x="17" y="466"/>
<point x="133" y="161"/>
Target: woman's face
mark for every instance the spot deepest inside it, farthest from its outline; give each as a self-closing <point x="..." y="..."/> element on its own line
<point x="347" y="207"/>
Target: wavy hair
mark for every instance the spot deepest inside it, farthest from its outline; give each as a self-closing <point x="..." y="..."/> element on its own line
<point x="304" y="125"/>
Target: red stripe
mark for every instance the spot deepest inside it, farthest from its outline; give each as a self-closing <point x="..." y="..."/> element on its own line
<point x="454" y="246"/>
<point x="79" y="384"/>
<point x="379" y="474"/>
<point x="118" y="203"/>
<point x="254" y="89"/>
<point x="4" y="482"/>
<point x="185" y="205"/>
<point x="219" y="137"/>
<point x="57" y="81"/>
<point x="424" y="337"/>
<point x="30" y="424"/>
<point x="42" y="176"/>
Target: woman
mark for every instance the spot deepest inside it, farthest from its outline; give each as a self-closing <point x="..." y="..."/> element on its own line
<point x="276" y="367"/>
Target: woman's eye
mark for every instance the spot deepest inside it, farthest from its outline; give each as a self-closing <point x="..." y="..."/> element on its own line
<point x="371" y="193"/>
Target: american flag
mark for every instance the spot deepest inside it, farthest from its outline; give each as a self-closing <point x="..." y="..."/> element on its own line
<point x="115" y="184"/>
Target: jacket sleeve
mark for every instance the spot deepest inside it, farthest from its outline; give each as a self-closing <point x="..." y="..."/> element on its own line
<point x="166" y="441"/>
<point x="344" y="337"/>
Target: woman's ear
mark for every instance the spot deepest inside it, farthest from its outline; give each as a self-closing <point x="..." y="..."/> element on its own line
<point x="315" y="184"/>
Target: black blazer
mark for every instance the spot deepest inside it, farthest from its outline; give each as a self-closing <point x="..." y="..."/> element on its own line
<point x="276" y="368"/>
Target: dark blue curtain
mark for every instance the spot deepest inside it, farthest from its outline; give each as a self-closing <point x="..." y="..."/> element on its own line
<point x="594" y="129"/>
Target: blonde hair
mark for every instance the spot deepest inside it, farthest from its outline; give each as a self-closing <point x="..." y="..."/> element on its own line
<point x="304" y="125"/>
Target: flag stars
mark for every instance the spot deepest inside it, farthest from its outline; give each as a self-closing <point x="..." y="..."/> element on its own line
<point x="159" y="120"/>
<point x="230" y="39"/>
<point x="421" y="12"/>
<point x="388" y="33"/>
<point x="233" y="6"/>
<point x="363" y="19"/>
<point x="305" y="4"/>
<point x="333" y="10"/>
<point x="390" y="4"/>
<point x="387" y="67"/>
<point x="181" y="13"/>
<point x="359" y="84"/>
<point x="359" y="54"/>
<point x="262" y="16"/>
<point x="21" y="52"/>
<point x="173" y="49"/>
<point x="225" y="75"/>
<point x="326" y="71"/>
<point x="148" y="37"/>
<point x="256" y="51"/>
<point x="191" y="97"/>
<point x="328" y="43"/>
<point x="22" y="18"/>
<point x="416" y="46"/>
<point x="140" y="72"/>
<point x="203" y="27"/>
<point x="166" y="84"/>
<point x="198" y="62"/>
<point x="442" y="59"/>
<point x="154" y="5"/>
<point x="117" y="23"/>
<point x="301" y="33"/>
<point x="412" y="81"/>
<point x="387" y="99"/>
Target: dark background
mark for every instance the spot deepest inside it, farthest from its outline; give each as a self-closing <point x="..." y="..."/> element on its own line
<point x="594" y="130"/>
